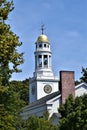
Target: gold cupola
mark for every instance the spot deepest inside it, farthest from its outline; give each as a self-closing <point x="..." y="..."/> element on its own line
<point x="42" y="38"/>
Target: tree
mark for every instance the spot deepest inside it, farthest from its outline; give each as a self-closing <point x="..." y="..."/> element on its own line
<point x="10" y="108"/>
<point x="9" y="42"/>
<point x="84" y="77"/>
<point x="10" y="59"/>
<point x="77" y="82"/>
<point x="21" y="87"/>
<point x="74" y="114"/>
<point x="36" y="123"/>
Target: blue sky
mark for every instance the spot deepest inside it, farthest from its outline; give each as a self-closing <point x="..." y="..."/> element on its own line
<point x="65" y="25"/>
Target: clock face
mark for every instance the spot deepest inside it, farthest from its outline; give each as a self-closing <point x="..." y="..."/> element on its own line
<point x="47" y="89"/>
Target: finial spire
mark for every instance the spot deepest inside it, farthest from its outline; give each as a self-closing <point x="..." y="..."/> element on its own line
<point x="42" y="28"/>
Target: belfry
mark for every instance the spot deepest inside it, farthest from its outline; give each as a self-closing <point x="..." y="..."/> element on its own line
<point x="43" y="81"/>
<point x="43" y="57"/>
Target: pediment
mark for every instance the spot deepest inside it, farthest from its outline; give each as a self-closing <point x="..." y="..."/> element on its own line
<point x="81" y="89"/>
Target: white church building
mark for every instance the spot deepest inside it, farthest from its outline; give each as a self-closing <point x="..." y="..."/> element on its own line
<point x="47" y="92"/>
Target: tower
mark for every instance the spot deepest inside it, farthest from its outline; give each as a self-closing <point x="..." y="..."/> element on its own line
<point x="43" y="81"/>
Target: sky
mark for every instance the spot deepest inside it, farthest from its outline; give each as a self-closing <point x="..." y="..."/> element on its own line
<point x="65" y="26"/>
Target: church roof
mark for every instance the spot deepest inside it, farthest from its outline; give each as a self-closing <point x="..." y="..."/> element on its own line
<point x="44" y="99"/>
<point x="79" y="85"/>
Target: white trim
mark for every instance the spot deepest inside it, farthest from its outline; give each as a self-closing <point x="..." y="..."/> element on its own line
<point x="79" y="85"/>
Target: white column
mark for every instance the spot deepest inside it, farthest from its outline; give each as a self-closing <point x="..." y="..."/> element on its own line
<point x="42" y="62"/>
<point x="35" y="62"/>
<point x="48" y="61"/>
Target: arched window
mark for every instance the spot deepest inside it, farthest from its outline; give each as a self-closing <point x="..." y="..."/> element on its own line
<point x="40" y="45"/>
<point x="44" y="45"/>
<point x="40" y="60"/>
<point x="45" y="60"/>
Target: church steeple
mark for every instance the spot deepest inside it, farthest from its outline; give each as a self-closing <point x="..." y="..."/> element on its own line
<point x="43" y="81"/>
<point x="43" y="56"/>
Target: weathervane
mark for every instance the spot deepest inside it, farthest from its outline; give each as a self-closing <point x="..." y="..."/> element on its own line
<point x="42" y="28"/>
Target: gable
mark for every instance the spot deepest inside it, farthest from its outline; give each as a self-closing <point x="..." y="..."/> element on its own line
<point x="80" y="89"/>
<point x="53" y="104"/>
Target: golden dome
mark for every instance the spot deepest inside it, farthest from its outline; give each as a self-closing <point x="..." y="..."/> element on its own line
<point x="42" y="38"/>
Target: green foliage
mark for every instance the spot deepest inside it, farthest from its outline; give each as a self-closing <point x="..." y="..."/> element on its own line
<point x="74" y="114"/>
<point x="5" y="8"/>
<point x="10" y="59"/>
<point x="8" y="45"/>
<point x="77" y="82"/>
<point x="10" y="108"/>
<point x="67" y="108"/>
<point x="21" y="87"/>
<point x="6" y="120"/>
<point x="35" y="123"/>
<point x="46" y="115"/>
<point x="84" y="77"/>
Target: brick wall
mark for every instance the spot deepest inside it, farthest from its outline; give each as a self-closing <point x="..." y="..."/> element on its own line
<point x="67" y="84"/>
